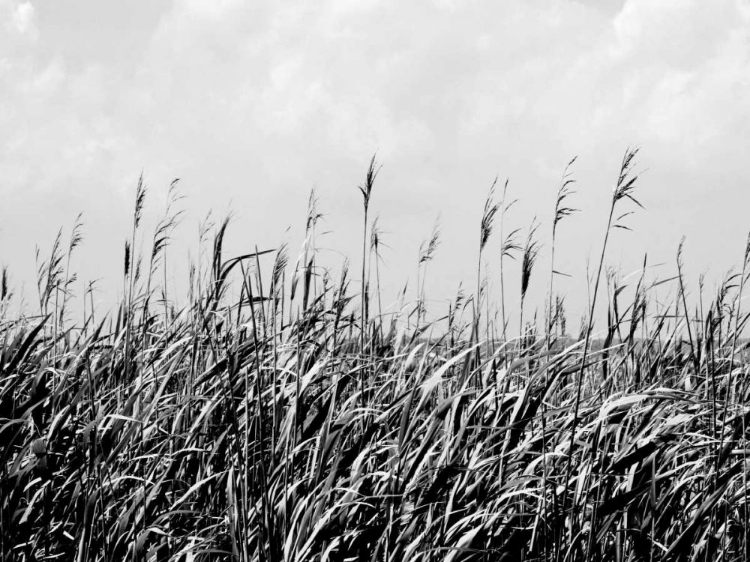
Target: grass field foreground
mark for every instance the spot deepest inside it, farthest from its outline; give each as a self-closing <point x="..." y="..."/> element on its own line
<point x="298" y="422"/>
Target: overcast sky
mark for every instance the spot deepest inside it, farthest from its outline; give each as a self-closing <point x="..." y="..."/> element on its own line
<point x="251" y="104"/>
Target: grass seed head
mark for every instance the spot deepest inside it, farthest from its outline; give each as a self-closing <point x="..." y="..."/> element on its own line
<point x="488" y="217"/>
<point x="530" y="255"/>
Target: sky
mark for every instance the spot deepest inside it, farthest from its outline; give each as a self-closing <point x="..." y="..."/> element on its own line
<point x="253" y="104"/>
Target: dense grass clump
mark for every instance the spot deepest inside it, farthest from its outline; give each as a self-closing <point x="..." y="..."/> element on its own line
<point x="297" y="422"/>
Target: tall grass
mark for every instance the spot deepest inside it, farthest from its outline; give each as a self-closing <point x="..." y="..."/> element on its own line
<point x="287" y="424"/>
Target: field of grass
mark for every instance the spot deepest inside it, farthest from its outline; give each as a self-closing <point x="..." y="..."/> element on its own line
<point x="297" y="422"/>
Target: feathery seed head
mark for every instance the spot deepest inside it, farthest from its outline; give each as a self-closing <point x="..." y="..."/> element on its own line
<point x="366" y="188"/>
<point x="565" y="190"/>
<point x="530" y="254"/>
<point x="488" y="217"/>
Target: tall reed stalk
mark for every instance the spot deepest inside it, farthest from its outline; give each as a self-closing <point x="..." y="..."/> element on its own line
<point x="562" y="210"/>
<point x="508" y="248"/>
<point x="427" y="251"/>
<point x="485" y="231"/>
<point x="530" y="255"/>
<point x="366" y="190"/>
<point x="376" y="242"/>
<point x="623" y="190"/>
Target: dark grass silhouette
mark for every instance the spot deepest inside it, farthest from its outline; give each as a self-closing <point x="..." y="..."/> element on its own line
<point x="289" y="424"/>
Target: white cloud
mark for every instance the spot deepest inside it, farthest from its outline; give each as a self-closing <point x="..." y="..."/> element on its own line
<point x="23" y="20"/>
<point x="279" y="96"/>
<point x="18" y="29"/>
<point x="676" y="33"/>
<point x="213" y="10"/>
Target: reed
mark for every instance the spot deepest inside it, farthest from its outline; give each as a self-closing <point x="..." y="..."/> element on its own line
<point x="241" y="425"/>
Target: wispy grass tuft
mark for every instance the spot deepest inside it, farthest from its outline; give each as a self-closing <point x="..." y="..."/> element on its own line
<point x="530" y="255"/>
<point x="485" y="231"/>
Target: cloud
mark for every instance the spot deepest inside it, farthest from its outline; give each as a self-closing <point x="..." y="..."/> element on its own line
<point x="675" y="33"/>
<point x="18" y="33"/>
<point x="23" y="20"/>
<point x="257" y="102"/>
<point x="689" y="66"/>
